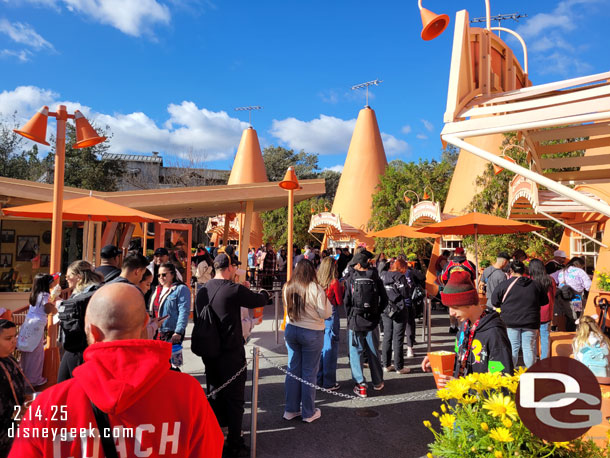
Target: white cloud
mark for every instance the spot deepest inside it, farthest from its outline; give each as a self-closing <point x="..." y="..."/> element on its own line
<point x="331" y="96"/>
<point x="22" y="55"/>
<point x="326" y="135"/>
<point x="406" y="129"/>
<point x="215" y="135"/>
<point x="546" y="36"/>
<point x="422" y="136"/>
<point x="428" y="125"/>
<point x="132" y="17"/>
<point x="23" y="34"/>
<point x="335" y="168"/>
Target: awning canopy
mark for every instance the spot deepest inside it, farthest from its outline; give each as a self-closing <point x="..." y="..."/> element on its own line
<point x="526" y="202"/>
<point x="330" y="224"/>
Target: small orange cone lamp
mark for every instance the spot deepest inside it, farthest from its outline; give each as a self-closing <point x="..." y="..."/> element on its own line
<point x="36" y="128"/>
<point x="85" y="134"/>
<point x="498" y="169"/>
<point x="426" y="195"/>
<point x="290" y="181"/>
<point x="433" y="24"/>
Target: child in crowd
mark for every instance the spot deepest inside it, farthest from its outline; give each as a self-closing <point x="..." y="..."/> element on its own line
<point x="591" y="347"/>
<point x="31" y="335"/>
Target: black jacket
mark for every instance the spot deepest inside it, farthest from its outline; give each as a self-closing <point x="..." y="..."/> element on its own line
<point x="491" y="350"/>
<point x="108" y="272"/>
<point x="358" y="322"/>
<point x="228" y="298"/>
<point x="521" y="309"/>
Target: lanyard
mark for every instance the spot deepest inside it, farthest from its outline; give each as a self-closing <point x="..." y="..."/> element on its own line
<point x="473" y="328"/>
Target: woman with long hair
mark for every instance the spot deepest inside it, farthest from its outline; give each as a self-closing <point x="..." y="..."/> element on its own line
<point x="397" y="317"/>
<point x="539" y="275"/>
<point x="31" y="336"/>
<point x="171" y="298"/>
<point x="591" y="347"/>
<point x="83" y="282"/>
<point x="307" y="307"/>
<point x="328" y="278"/>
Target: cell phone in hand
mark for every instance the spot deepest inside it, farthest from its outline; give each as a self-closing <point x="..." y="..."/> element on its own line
<point x="163" y="318"/>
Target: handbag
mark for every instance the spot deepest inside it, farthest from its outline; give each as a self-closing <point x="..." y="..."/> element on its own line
<point x="205" y="339"/>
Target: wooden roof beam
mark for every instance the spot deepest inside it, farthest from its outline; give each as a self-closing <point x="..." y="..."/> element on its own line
<point x="564" y="162"/>
<point x="579" y="176"/>
<point x="574" y="146"/>
<point x="563" y="133"/>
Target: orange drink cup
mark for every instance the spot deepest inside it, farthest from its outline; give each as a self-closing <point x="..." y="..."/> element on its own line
<point x="257" y="314"/>
<point x="442" y="363"/>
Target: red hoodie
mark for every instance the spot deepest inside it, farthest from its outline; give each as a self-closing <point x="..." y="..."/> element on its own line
<point x="163" y="412"/>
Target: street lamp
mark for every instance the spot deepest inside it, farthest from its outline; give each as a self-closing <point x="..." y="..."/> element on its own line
<point x="36" y="130"/>
<point x="408" y="199"/>
<point x="290" y="183"/>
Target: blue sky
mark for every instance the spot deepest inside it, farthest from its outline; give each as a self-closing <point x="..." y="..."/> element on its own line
<point x="166" y="75"/>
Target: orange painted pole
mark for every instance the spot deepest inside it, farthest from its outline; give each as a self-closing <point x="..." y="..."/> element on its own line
<point x="51" y="352"/>
<point x="290" y="234"/>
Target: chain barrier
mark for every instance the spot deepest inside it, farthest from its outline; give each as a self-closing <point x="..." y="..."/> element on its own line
<point x="228" y="382"/>
<point x="426" y="396"/>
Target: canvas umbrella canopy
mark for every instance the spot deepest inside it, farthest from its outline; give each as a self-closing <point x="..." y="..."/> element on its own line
<point x="476" y="224"/>
<point x="85" y="209"/>
<point x="401" y="230"/>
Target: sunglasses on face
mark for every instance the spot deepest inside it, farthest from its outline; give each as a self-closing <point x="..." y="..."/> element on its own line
<point x="163" y="275"/>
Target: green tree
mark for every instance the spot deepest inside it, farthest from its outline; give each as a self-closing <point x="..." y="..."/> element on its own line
<point x="85" y="168"/>
<point x="278" y="159"/>
<point x="389" y="206"/>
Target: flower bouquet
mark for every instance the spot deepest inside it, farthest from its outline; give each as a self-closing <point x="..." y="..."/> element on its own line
<point x="479" y="418"/>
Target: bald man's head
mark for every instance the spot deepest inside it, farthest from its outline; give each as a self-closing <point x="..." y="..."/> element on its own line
<point x="115" y="312"/>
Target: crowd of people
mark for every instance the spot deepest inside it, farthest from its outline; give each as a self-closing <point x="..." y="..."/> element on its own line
<point x="124" y="320"/>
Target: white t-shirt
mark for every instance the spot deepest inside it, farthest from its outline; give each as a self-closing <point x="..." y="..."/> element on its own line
<point x="317" y="309"/>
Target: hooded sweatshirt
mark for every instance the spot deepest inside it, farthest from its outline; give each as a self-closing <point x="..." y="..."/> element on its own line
<point x="162" y="412"/>
<point x="490" y="350"/>
<point x="521" y="308"/>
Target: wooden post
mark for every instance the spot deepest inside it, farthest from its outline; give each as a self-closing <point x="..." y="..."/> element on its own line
<point x="244" y="235"/>
<point x="98" y="242"/>
<point x="225" y="236"/>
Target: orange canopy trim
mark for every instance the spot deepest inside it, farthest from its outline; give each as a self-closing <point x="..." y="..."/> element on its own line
<point x="400" y="230"/>
<point x="85" y="209"/>
<point x="480" y="224"/>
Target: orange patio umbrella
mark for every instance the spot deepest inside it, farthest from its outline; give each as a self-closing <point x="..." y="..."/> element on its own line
<point x="400" y="230"/>
<point x="85" y="209"/>
<point x="478" y="223"/>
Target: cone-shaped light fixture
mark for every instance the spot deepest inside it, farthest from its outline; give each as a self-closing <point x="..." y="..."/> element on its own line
<point x="433" y="24"/>
<point x="290" y="181"/>
<point x="36" y="128"/>
<point x="498" y="169"/>
<point x="85" y="134"/>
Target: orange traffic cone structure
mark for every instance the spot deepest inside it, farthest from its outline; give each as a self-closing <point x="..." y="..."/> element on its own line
<point x="433" y="24"/>
<point x="36" y="127"/>
<point x="85" y="134"/>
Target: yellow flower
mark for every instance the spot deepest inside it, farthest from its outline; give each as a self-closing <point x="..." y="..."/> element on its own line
<point x="444" y="408"/>
<point x="488" y="381"/>
<point x="447" y="420"/>
<point x="501" y="435"/>
<point x="506" y="422"/>
<point x="443" y="394"/>
<point x="498" y="454"/>
<point x="501" y="406"/>
<point x="484" y="427"/>
<point x="468" y="399"/>
<point x="520" y="370"/>
<point x="427" y="424"/>
<point x="435" y="413"/>
<point x="429" y="455"/>
<point x="562" y="444"/>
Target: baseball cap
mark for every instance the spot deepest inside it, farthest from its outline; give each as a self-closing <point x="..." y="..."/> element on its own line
<point x="109" y="252"/>
<point x="161" y="252"/>
<point x="223" y="260"/>
<point x="560" y="254"/>
<point x="504" y="255"/>
<point x="459" y="250"/>
<point x="362" y="259"/>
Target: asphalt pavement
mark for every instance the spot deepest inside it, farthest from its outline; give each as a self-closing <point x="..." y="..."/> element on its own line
<point x="386" y="424"/>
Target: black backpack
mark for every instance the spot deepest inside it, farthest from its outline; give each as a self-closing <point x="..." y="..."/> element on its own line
<point x="71" y="315"/>
<point x="365" y="297"/>
<point x="205" y="339"/>
<point x="396" y="290"/>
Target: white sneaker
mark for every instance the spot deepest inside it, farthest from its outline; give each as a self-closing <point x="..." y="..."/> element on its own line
<point x="291" y="415"/>
<point x="410" y="352"/>
<point x="316" y="414"/>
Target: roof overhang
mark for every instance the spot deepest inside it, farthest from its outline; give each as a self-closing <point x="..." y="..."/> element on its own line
<point x="171" y="203"/>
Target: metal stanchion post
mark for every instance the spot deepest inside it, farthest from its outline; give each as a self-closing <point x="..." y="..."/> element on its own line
<point x="424" y="320"/>
<point x="429" y="322"/>
<point x="254" y="404"/>
<point x="276" y="304"/>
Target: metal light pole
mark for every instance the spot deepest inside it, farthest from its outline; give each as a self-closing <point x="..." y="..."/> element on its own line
<point x="36" y="130"/>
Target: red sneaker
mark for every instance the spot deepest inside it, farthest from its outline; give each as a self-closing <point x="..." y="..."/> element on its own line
<point x="360" y="390"/>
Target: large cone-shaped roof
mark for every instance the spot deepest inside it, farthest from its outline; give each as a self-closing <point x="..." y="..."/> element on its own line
<point x="249" y="167"/>
<point x="364" y="165"/>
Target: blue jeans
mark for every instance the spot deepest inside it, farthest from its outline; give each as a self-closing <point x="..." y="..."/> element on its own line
<point x="327" y="375"/>
<point x="359" y="343"/>
<point x="304" y="348"/>
<point x="525" y="339"/>
<point x="544" y="339"/>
